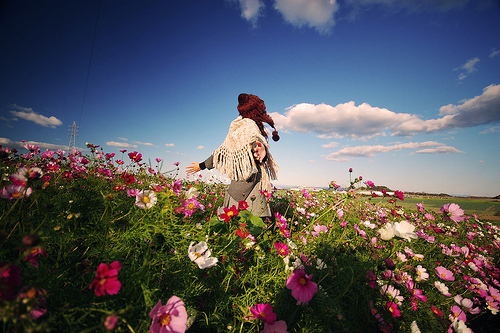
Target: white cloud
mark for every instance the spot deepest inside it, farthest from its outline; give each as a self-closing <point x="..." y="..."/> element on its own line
<point x="330" y="145"/>
<point x="491" y="130"/>
<point x="482" y="109"/>
<point x="29" y="114"/>
<point x="5" y="142"/>
<point x="123" y="139"/>
<point x="251" y="10"/>
<point x="169" y="145"/>
<point x="342" y="120"/>
<point x="200" y="147"/>
<point x="494" y="53"/>
<point x="468" y="68"/>
<point x="371" y="150"/>
<point x="317" y="14"/>
<point x="146" y="144"/>
<point x="366" y="121"/>
<point x="120" y="144"/>
<point x="439" y="150"/>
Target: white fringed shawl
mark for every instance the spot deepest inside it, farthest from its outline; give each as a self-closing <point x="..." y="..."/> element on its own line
<point x="234" y="158"/>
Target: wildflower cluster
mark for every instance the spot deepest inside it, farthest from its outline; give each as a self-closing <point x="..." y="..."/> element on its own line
<point x="94" y="243"/>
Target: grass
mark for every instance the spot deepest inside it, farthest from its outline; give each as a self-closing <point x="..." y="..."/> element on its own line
<point x="484" y="208"/>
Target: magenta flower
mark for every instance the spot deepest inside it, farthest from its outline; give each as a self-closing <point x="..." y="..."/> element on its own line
<point x="393" y="308"/>
<point x="169" y="318"/>
<point x="276" y="327"/>
<point x="282" y="248"/>
<point x="111" y="322"/>
<point x="453" y="212"/>
<point x="263" y="312"/>
<point x="445" y="274"/>
<point x="303" y="289"/>
<point x="10" y="279"/>
<point x="190" y="206"/>
<point x="458" y="313"/>
<point x="11" y="192"/>
<point x="106" y="280"/>
<point x="399" y="195"/>
<point x="370" y="183"/>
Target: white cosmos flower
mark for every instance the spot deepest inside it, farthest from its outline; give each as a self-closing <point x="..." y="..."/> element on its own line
<point x="145" y="199"/>
<point x="200" y="254"/>
<point x="387" y="232"/>
<point x="192" y="192"/>
<point x="405" y="230"/>
<point x="414" y="327"/>
<point x="460" y="327"/>
<point x="443" y="289"/>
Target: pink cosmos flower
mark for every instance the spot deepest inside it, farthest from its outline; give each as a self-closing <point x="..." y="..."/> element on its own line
<point x="303" y="289"/>
<point x="422" y="274"/>
<point x="340" y="213"/>
<point x="276" y="327"/>
<point x="15" y="192"/>
<point x="318" y="228"/>
<point x="106" y="280"/>
<point x="393" y="308"/>
<point x="282" y="248"/>
<point x="34" y="253"/>
<point x="457" y="312"/>
<point x="371" y="279"/>
<point x="169" y="318"/>
<point x="370" y="183"/>
<point x="35" y="299"/>
<point x="399" y="195"/>
<point x="445" y="274"/>
<point x="10" y="278"/>
<point x="190" y="206"/>
<point x="416" y="293"/>
<point x="111" y="322"/>
<point x="420" y="207"/>
<point x="453" y="212"/>
<point x="263" y="312"/>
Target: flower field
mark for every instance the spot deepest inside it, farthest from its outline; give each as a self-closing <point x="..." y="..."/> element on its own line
<point x="99" y="243"/>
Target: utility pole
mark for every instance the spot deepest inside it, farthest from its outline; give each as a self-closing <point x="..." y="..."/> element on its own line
<point x="73" y="132"/>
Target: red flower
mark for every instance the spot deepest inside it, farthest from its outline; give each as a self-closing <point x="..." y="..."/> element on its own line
<point x="242" y="231"/>
<point x="135" y="156"/>
<point x="242" y="205"/>
<point x="128" y="178"/>
<point x="437" y="311"/>
<point x="229" y="213"/>
<point x="106" y="279"/>
<point x="399" y="195"/>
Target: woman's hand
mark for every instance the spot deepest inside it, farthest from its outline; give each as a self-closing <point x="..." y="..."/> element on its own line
<point x="193" y="168"/>
<point x="259" y="152"/>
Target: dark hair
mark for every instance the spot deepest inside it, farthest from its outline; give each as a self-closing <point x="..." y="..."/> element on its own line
<point x="251" y="106"/>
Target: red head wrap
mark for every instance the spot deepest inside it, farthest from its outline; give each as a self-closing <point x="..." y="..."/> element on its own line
<point x="251" y="106"/>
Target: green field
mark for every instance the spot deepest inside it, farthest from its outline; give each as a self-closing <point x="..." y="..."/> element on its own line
<point x="484" y="208"/>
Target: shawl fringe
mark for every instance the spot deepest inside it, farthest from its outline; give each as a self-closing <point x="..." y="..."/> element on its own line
<point x="234" y="158"/>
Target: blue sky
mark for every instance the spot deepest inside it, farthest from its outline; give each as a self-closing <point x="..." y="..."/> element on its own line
<point x="407" y="93"/>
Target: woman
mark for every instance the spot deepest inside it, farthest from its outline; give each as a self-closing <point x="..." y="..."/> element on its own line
<point x="244" y="157"/>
